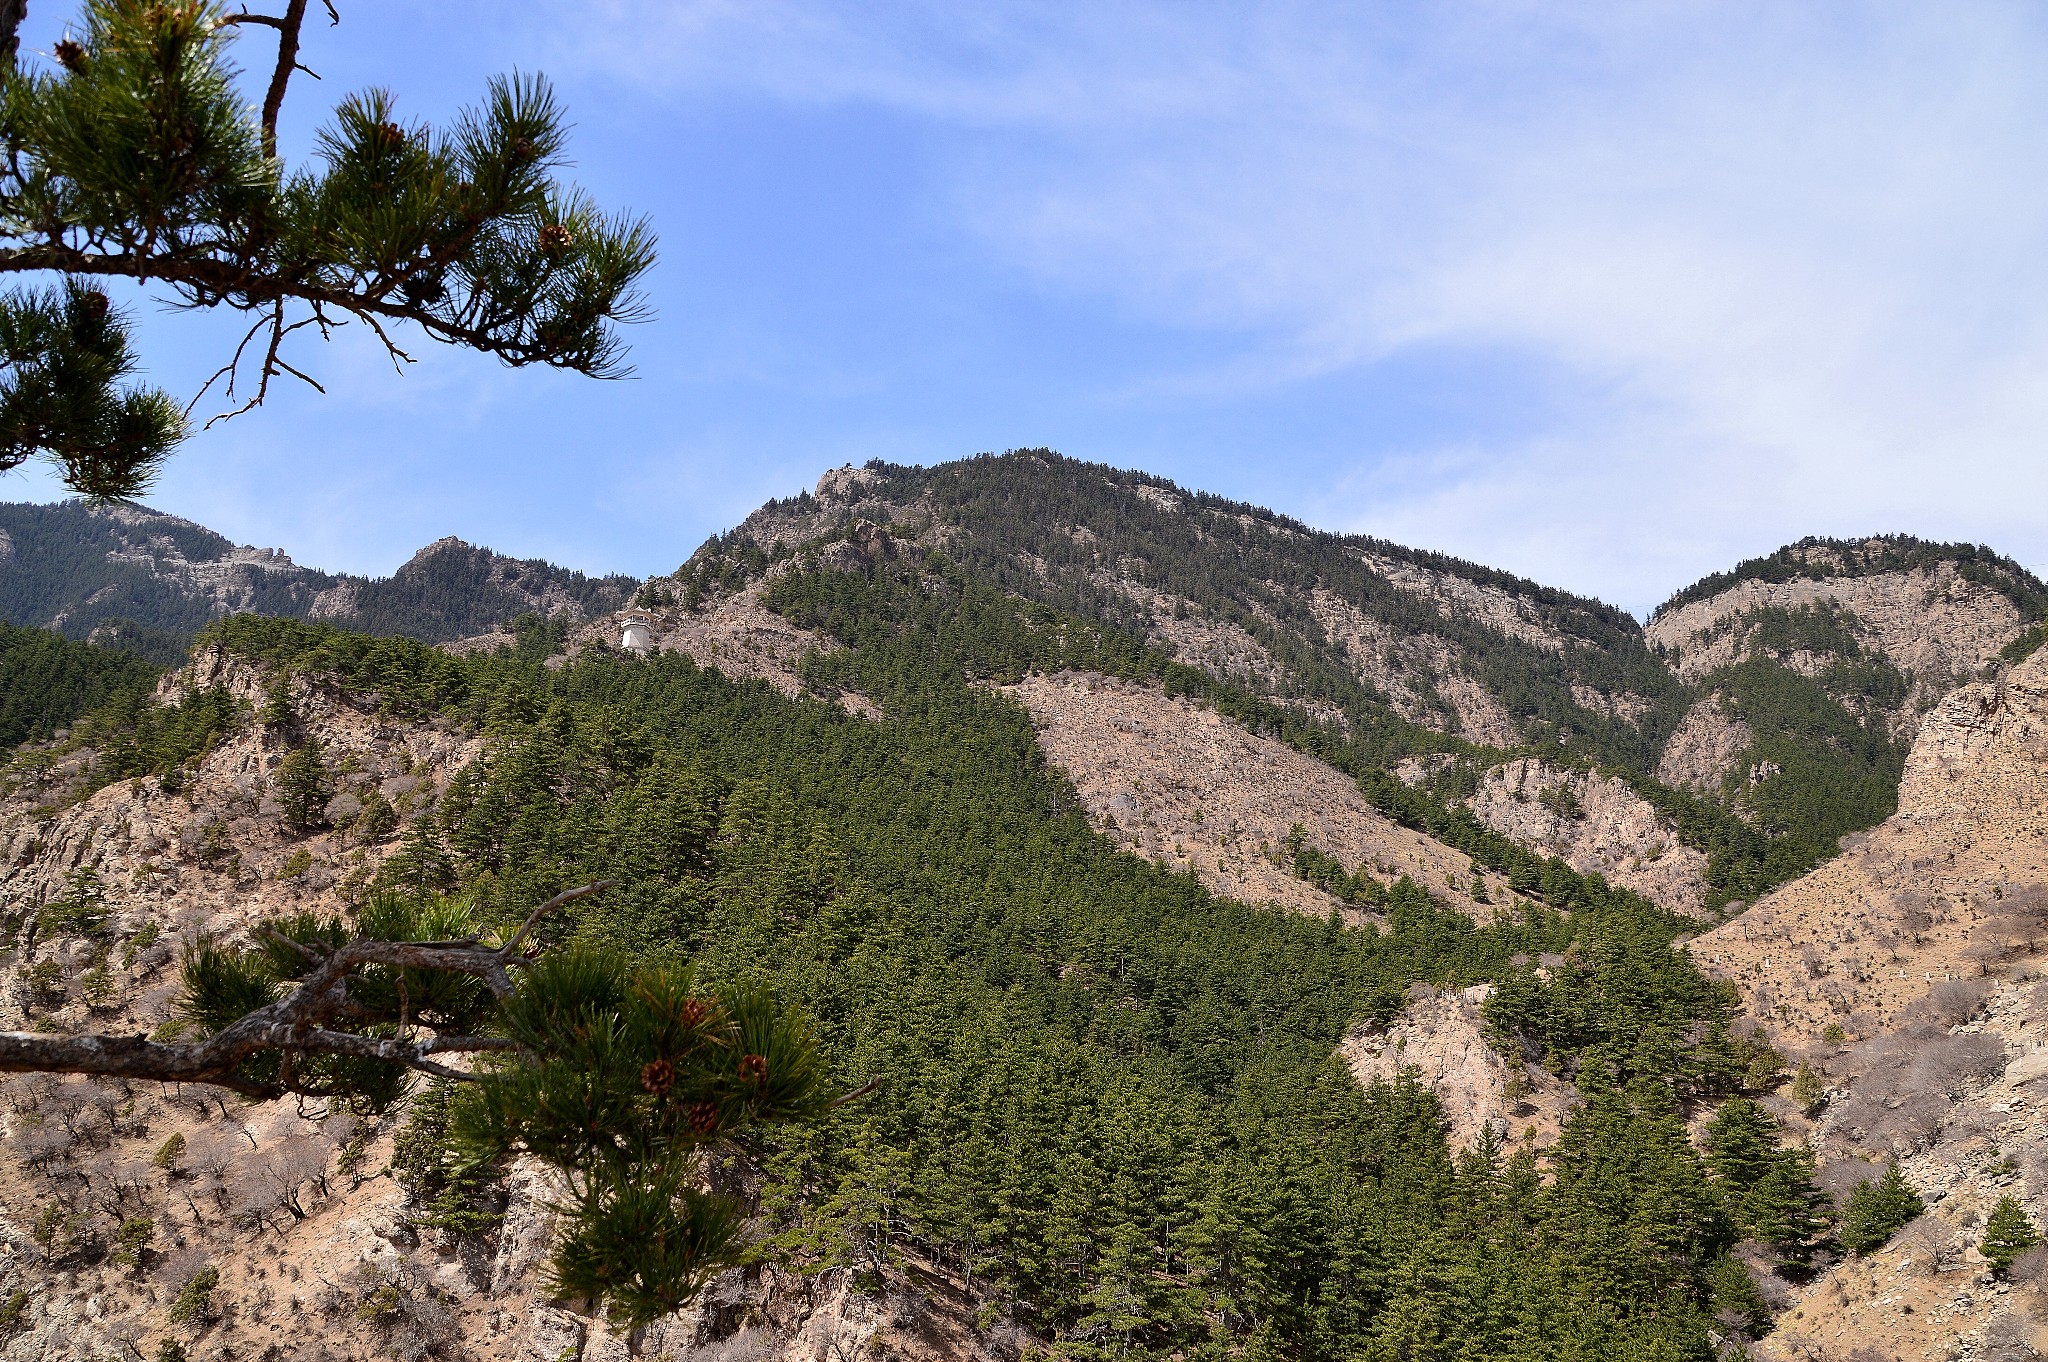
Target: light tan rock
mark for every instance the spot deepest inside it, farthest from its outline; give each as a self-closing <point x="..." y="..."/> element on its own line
<point x="1441" y="1038"/>
<point x="1614" y="832"/>
<point x="1190" y="789"/>
<point x="1704" y="747"/>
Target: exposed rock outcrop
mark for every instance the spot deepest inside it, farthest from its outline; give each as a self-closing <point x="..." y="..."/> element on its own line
<point x="1442" y="1038"/>
<point x="1931" y="622"/>
<point x="733" y="632"/>
<point x="1939" y="891"/>
<point x="1597" y="825"/>
<point x="1704" y="748"/>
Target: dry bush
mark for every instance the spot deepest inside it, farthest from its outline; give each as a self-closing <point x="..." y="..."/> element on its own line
<point x="281" y="1181"/>
<point x="211" y="1159"/>
<point x="1905" y="1084"/>
<point x="26" y="1093"/>
<point x="1986" y="952"/>
<point x="204" y="1101"/>
<point x="1915" y="909"/>
<point x="1952" y="1002"/>
<point x="2007" y="1339"/>
<point x="1949" y="1066"/>
<point x="42" y="1145"/>
<point x="1929" y="1244"/>
<point x="175" y="1263"/>
<point x="1762" y="1265"/>
<point x="2021" y="918"/>
<point x="1839" y="1177"/>
<point x="85" y="1109"/>
<point x="1881" y="1122"/>
<point x="422" y="1327"/>
<point x="2031" y="1267"/>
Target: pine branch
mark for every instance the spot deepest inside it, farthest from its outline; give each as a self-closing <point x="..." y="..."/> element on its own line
<point x="296" y="1024"/>
<point x="212" y="281"/>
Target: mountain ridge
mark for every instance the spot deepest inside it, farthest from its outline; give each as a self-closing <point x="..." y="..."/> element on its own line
<point x="146" y="582"/>
<point x="1759" y="755"/>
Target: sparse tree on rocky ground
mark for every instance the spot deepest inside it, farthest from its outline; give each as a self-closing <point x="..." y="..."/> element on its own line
<point x="302" y="787"/>
<point x="1877" y="1210"/>
<point x="134" y="156"/>
<point x="2007" y="1235"/>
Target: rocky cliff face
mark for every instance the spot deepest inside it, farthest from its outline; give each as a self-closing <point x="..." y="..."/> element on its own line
<point x="1597" y="825"/>
<point x="1931" y="617"/>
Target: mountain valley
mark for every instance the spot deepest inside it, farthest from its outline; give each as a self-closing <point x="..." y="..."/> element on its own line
<point x="1181" y="872"/>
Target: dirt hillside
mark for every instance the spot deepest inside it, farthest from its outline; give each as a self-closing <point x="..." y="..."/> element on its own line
<point x="1190" y="789"/>
<point x="1922" y="945"/>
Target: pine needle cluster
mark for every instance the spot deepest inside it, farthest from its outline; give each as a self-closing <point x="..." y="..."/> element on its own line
<point x="139" y="158"/>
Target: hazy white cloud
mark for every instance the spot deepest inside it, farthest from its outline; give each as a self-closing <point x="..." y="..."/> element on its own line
<point x="1786" y="262"/>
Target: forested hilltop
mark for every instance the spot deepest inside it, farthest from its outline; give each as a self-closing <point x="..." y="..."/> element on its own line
<point x="145" y="583"/>
<point x="1760" y="731"/>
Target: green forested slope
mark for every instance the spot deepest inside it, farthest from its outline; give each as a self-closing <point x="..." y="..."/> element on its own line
<point x="77" y="569"/>
<point x="1063" y="533"/>
<point x="1107" y="1101"/>
<point x="46" y="681"/>
<point x="453" y="590"/>
<point x="1060" y="530"/>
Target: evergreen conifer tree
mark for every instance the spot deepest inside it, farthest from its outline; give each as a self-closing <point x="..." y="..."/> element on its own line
<point x="421" y="864"/>
<point x="1808" y="1090"/>
<point x="137" y="157"/>
<point x="2007" y="1234"/>
<point x="303" y="787"/>
<point x="1742" y="1144"/>
<point x="1877" y="1210"/>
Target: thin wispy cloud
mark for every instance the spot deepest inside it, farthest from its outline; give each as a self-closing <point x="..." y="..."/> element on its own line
<point x="1789" y="248"/>
<point x="1610" y="295"/>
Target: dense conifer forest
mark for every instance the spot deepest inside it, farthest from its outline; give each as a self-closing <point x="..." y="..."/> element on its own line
<point x="46" y="681"/>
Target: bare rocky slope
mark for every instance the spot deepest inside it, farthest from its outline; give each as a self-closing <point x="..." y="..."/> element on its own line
<point x="1188" y="788"/>
<point x="1907" y="973"/>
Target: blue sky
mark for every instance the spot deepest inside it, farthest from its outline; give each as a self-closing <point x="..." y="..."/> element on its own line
<point x="1611" y="296"/>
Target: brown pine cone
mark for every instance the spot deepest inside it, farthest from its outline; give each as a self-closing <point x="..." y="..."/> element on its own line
<point x="658" y="1076"/>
